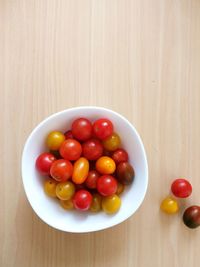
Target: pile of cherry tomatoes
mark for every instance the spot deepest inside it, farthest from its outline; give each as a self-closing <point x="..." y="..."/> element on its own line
<point x="181" y="188"/>
<point x="86" y="167"/>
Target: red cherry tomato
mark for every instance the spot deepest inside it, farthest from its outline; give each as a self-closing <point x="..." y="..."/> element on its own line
<point x="91" y="180"/>
<point x="106" y="185"/>
<point x="82" y="200"/>
<point x="61" y="170"/>
<point x="68" y="135"/>
<point x="44" y="162"/>
<point x="92" y="149"/>
<point x="120" y="155"/>
<point x="102" y="128"/>
<point x="71" y="149"/>
<point x="82" y="129"/>
<point x="181" y="188"/>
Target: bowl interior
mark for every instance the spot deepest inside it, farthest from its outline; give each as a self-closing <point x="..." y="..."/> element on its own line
<point x="49" y="209"/>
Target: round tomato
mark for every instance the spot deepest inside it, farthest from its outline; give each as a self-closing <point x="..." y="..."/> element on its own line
<point x="91" y="180"/>
<point x="181" y="188"/>
<point x="191" y="217"/>
<point x="81" y="169"/>
<point x="65" y="190"/>
<point x="102" y="128"/>
<point x="120" y="155"/>
<point x="44" y="162"/>
<point x="105" y="165"/>
<point x="125" y="173"/>
<point x="92" y="149"/>
<point x="61" y="170"/>
<point x="106" y="185"/>
<point x="71" y="149"/>
<point x="111" y="204"/>
<point x="96" y="202"/>
<point x="50" y="187"/>
<point x="169" y="205"/>
<point x="112" y="142"/>
<point x="82" y="200"/>
<point x="54" y="140"/>
<point x="82" y="129"/>
<point x="68" y="135"/>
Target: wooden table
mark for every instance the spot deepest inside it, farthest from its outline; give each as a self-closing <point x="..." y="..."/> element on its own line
<point x="139" y="58"/>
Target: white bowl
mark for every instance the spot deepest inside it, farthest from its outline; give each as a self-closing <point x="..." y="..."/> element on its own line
<point x="49" y="209"/>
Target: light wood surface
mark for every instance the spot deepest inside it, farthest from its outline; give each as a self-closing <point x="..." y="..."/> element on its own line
<point x="139" y="58"/>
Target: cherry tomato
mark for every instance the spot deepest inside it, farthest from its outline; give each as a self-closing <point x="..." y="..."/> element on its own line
<point x="82" y="200"/>
<point x="68" y="135"/>
<point x="125" y="173"/>
<point x="169" y="205"/>
<point x="96" y="202"/>
<point x="111" y="204"/>
<point x="44" y="162"/>
<point x="67" y="204"/>
<point x="61" y="170"/>
<point x="112" y="142"/>
<point x="71" y="149"/>
<point x="105" y="165"/>
<point x="191" y="217"/>
<point x="107" y="153"/>
<point x="102" y="128"/>
<point x="181" y="188"/>
<point x="92" y="149"/>
<point x="120" y="188"/>
<point x="81" y="169"/>
<point x="120" y="155"/>
<point x="80" y="186"/>
<point x="65" y="190"/>
<point x="91" y="180"/>
<point x="54" y="140"/>
<point x="50" y="187"/>
<point x="106" y="185"/>
<point x="82" y="129"/>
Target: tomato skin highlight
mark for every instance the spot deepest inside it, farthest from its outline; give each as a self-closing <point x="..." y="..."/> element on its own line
<point x="181" y="188"/>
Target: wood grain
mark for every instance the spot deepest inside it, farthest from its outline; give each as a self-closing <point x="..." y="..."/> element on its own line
<point x="139" y="58"/>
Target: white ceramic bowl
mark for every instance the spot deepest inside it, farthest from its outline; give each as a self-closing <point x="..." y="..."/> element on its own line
<point x="49" y="209"/>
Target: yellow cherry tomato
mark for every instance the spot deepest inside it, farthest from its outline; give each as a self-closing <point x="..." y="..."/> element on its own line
<point x="96" y="203"/>
<point x="50" y="187"/>
<point x="169" y="205"/>
<point x="65" y="190"/>
<point x="111" y="204"/>
<point x="105" y="165"/>
<point x="67" y="204"/>
<point x="54" y="140"/>
<point x="120" y="188"/>
<point x="112" y="142"/>
<point x="80" y="172"/>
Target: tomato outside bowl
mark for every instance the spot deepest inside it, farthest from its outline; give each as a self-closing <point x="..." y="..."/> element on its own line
<point x="48" y="209"/>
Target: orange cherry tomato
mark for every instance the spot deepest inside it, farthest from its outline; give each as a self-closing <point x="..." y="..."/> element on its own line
<point x="81" y="169"/>
<point x="105" y="165"/>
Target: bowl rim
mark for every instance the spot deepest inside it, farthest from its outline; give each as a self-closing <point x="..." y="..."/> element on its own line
<point x="98" y="108"/>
